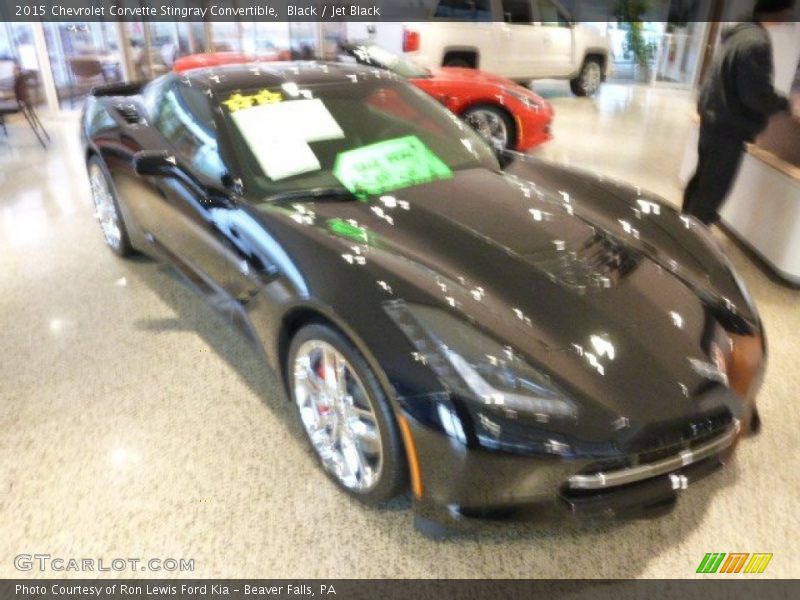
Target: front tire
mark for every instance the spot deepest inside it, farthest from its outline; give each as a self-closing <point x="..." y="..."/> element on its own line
<point x="493" y="124"/>
<point x="346" y="415"/>
<point x="588" y="81"/>
<point x="106" y="208"/>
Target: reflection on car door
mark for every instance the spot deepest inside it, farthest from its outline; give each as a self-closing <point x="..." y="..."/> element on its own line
<point x="191" y="224"/>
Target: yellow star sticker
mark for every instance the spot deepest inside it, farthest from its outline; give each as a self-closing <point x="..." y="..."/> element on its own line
<point x="238" y="102"/>
<point x="267" y="97"/>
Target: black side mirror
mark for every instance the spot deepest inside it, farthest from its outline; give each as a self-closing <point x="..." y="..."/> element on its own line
<point x="160" y="163"/>
<point x="155" y="163"/>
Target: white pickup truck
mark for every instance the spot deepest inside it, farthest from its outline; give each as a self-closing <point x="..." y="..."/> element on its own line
<point x="518" y="39"/>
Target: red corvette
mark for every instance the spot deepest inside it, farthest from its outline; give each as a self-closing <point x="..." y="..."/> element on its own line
<point x="505" y="113"/>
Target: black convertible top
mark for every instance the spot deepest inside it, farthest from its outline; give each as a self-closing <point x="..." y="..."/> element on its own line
<point x="221" y="79"/>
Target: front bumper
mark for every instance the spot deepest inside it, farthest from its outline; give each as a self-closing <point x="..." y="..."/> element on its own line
<point x="462" y="486"/>
<point x="534" y="127"/>
<point x="635" y="474"/>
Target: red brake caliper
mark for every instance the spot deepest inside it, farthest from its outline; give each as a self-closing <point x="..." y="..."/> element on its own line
<point x="324" y="409"/>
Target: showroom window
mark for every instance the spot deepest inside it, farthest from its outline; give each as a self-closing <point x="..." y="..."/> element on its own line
<point x="269" y="41"/>
<point x="517" y="11"/>
<point x="16" y="45"/>
<point x="82" y="56"/>
<point x="476" y="10"/>
<point x="303" y="40"/>
<point x="154" y="47"/>
<point x="185" y="119"/>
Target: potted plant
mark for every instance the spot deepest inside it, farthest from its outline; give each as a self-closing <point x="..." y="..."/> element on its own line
<point x="630" y="13"/>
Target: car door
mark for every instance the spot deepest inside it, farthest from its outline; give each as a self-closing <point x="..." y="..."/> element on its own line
<point x="194" y="216"/>
<point x="556" y="38"/>
<point x="519" y="40"/>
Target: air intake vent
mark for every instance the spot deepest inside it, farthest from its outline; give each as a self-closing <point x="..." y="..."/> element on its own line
<point x="600" y="262"/>
<point x="129" y="112"/>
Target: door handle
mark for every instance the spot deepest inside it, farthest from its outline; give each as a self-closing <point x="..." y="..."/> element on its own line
<point x="252" y="266"/>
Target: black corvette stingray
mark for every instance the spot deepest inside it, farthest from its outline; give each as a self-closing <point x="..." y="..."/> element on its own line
<point x="491" y="331"/>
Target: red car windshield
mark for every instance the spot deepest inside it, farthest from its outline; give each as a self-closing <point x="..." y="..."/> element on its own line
<point x="374" y="56"/>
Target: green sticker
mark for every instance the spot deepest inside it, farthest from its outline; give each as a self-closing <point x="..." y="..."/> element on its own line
<point x="343" y="228"/>
<point x="389" y="165"/>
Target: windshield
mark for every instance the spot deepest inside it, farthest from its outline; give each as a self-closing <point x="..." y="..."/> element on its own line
<point x="365" y="136"/>
<point x="375" y="56"/>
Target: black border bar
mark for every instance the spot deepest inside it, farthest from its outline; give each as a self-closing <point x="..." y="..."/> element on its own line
<point x="676" y="11"/>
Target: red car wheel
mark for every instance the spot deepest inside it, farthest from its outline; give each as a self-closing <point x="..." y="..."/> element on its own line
<point x="493" y="124"/>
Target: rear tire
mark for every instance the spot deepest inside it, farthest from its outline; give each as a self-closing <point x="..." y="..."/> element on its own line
<point x="107" y="209"/>
<point x="346" y="415"/>
<point x="588" y="81"/>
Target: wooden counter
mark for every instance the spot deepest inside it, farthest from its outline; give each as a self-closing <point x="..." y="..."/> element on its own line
<point x="763" y="208"/>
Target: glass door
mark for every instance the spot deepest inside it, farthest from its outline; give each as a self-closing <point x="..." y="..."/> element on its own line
<point x="683" y="43"/>
<point x="680" y="53"/>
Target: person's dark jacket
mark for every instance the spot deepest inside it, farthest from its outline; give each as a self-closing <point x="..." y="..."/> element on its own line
<point x="738" y="97"/>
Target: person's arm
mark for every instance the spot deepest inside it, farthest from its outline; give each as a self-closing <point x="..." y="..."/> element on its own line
<point x="754" y="81"/>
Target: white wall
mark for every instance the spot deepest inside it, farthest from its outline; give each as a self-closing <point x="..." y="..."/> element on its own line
<point x="786" y="53"/>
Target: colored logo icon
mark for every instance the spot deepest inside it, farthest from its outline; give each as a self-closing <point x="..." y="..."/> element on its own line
<point x="736" y="562"/>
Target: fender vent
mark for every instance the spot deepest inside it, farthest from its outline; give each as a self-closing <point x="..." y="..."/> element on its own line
<point x="130" y="113"/>
<point x="600" y="262"/>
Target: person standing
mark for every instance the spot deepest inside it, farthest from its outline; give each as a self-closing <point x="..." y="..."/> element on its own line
<point x="736" y="101"/>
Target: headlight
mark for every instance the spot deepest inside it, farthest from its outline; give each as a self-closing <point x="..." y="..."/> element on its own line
<point x="474" y="366"/>
<point x="526" y="99"/>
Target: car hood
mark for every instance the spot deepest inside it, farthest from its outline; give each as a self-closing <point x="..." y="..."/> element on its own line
<point x="472" y="76"/>
<point x="590" y="300"/>
<point x="475" y="78"/>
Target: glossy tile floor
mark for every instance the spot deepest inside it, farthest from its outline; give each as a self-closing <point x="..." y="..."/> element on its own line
<point x="135" y="423"/>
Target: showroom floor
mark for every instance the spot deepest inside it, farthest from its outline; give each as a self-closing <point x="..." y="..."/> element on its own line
<point x="135" y="423"/>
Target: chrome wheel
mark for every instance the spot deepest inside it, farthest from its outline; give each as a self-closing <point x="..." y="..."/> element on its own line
<point x="490" y="125"/>
<point x="337" y="415"/>
<point x="105" y="207"/>
<point x="592" y="77"/>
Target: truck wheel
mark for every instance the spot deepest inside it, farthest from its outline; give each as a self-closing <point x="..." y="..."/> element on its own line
<point x="589" y="79"/>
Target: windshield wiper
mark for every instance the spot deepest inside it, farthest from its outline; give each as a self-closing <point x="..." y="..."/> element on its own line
<point x="320" y="193"/>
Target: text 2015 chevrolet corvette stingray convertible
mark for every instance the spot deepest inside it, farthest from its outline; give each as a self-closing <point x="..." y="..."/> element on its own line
<point x="495" y="333"/>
